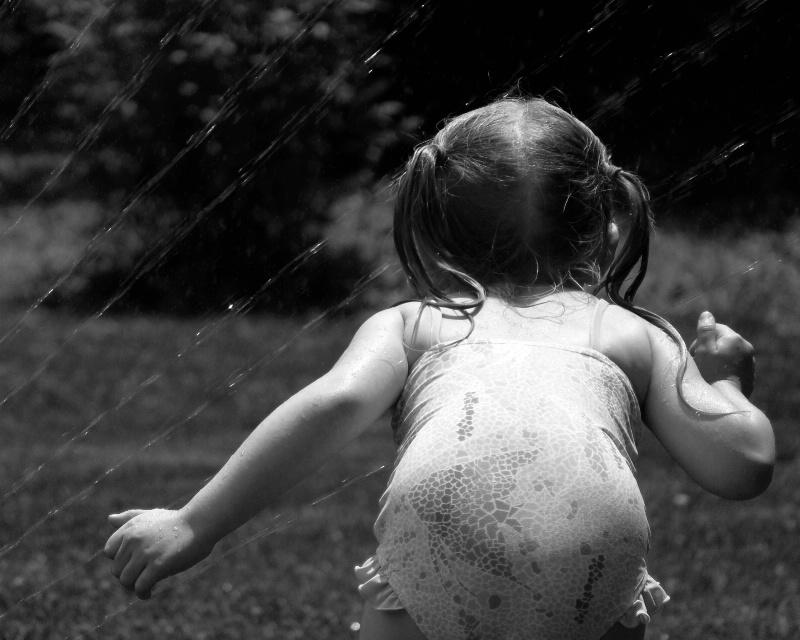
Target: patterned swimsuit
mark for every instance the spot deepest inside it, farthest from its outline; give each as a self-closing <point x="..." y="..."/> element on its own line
<point x="512" y="512"/>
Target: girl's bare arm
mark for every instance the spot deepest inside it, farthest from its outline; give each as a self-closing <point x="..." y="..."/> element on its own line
<point x="718" y="436"/>
<point x="288" y="445"/>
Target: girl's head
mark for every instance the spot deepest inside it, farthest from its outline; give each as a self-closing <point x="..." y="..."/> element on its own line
<point x="515" y="194"/>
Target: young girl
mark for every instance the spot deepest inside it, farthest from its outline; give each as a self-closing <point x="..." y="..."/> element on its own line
<point x="518" y="396"/>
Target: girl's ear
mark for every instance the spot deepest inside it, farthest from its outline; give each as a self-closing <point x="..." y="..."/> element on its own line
<point x="612" y="237"/>
<point x="612" y="240"/>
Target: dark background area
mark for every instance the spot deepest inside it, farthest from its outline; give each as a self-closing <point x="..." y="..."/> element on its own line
<point x="217" y="137"/>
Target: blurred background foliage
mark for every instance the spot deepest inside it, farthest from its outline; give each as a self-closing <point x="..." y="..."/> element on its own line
<point x="204" y="144"/>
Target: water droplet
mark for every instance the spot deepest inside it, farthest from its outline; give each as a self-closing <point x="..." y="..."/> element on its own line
<point x="681" y="500"/>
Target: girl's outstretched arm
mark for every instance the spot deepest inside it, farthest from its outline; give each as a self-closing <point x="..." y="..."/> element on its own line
<point x="295" y="439"/>
<point x="719" y="438"/>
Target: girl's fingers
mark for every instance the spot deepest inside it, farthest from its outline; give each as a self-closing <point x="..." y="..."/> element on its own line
<point x="121" y="560"/>
<point x="113" y="544"/>
<point x="706" y="332"/>
<point x="130" y="574"/>
<point x="145" y="582"/>
<point x="118" y="519"/>
<point x="115" y="540"/>
<point x="724" y="331"/>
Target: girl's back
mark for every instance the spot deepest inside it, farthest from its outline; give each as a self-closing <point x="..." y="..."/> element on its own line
<point x="514" y="484"/>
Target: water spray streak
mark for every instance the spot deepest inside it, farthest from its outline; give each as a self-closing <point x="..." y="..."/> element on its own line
<point x="608" y="11"/>
<point x="246" y="174"/>
<point x="73" y="436"/>
<point x="92" y="132"/>
<point x="731" y="154"/>
<point x="88" y="490"/>
<point x="229" y="104"/>
<point x="244" y="372"/>
<point x="52" y="71"/>
<point x="90" y="135"/>
<point x="279" y="523"/>
<point x="207" y="331"/>
<point x="51" y="584"/>
<point x="682" y="308"/>
<point x="215" y="392"/>
<point x="85" y="563"/>
<point x="85" y="140"/>
<point x="670" y="64"/>
<point x="8" y="7"/>
<point x="154" y="256"/>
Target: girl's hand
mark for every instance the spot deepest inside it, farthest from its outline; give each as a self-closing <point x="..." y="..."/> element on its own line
<point x="722" y="354"/>
<point x="149" y="546"/>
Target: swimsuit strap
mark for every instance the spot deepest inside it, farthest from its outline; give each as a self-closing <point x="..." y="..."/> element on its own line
<point x="435" y="335"/>
<point x="594" y="328"/>
<point x="435" y="328"/>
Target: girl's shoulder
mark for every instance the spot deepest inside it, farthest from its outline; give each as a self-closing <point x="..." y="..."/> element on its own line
<point x="422" y="327"/>
<point x="626" y="339"/>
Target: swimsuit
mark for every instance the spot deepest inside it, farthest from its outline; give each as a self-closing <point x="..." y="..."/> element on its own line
<point x="512" y="511"/>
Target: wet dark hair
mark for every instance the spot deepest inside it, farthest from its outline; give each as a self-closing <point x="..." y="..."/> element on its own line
<point x="516" y="193"/>
<point x="520" y="193"/>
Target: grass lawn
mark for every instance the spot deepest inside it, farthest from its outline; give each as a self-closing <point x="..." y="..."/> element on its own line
<point x="96" y="416"/>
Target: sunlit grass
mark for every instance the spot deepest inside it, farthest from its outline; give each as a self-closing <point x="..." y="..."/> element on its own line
<point x="730" y="567"/>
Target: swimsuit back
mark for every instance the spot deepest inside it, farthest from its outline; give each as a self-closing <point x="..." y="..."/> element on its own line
<point x="512" y="511"/>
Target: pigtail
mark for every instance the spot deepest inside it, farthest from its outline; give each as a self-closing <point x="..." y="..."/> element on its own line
<point x="628" y="192"/>
<point x="417" y="206"/>
<point x="421" y="223"/>
<point x="628" y="188"/>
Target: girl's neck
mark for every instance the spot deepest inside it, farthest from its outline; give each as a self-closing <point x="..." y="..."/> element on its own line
<point x="525" y="296"/>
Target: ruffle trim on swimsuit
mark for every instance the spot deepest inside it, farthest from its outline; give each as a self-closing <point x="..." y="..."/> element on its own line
<point x="650" y="601"/>
<point x="375" y="589"/>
